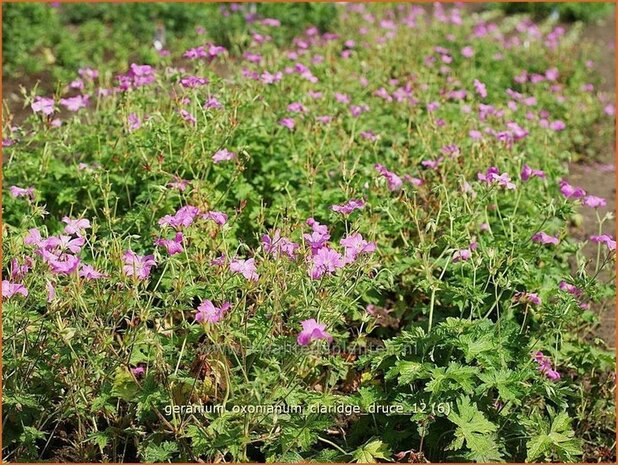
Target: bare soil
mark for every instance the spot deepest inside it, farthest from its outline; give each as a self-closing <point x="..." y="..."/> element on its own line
<point x="598" y="177"/>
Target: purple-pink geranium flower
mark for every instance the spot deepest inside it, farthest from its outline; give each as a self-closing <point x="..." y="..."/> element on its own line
<point x="462" y="255"/>
<point x="278" y="245"/>
<point x="492" y="176"/>
<point x="218" y="217"/>
<point x="354" y="245"/>
<point x="223" y="155"/>
<point x="545" y="238"/>
<point x="288" y="123"/>
<point x="22" y="192"/>
<point x="10" y="289"/>
<point x="312" y="331"/>
<point x="192" y="82"/>
<point x="183" y="218"/>
<point x="349" y="206"/>
<point x="325" y="260"/>
<point x="571" y="192"/>
<point x="173" y="246"/>
<point x="76" y="226"/>
<point x="213" y="103"/>
<point x="527" y="173"/>
<point x="593" y="201"/>
<point x="207" y="312"/>
<point x="318" y="237"/>
<point x="75" y="103"/>
<point x="604" y="239"/>
<point x="393" y="181"/>
<point x="527" y="298"/>
<point x="245" y="267"/>
<point x="134" y="122"/>
<point x="89" y="272"/>
<point x="545" y="367"/>
<point x="137" y="265"/>
<point x="43" y="105"/>
<point x="570" y="288"/>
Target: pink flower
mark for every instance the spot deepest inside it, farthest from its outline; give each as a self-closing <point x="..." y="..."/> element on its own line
<point x="43" y="105"/>
<point x="527" y="297"/>
<point x="19" y="271"/>
<point x="312" y="331"/>
<point x="218" y="217"/>
<point x="393" y="181"/>
<point x="245" y="267"/>
<point x="184" y="217"/>
<point x="357" y="110"/>
<point x="208" y="313"/>
<point x="33" y="237"/>
<point x="545" y="367"/>
<point x="480" y="88"/>
<point x="318" y="237"/>
<point x="354" y="245"/>
<point x="88" y="73"/>
<point x="545" y="238"/>
<point x="557" y="126"/>
<point x="64" y="264"/>
<point x="134" y="122"/>
<point x="325" y="260"/>
<point x="296" y="107"/>
<point x="527" y="173"/>
<point x="368" y="135"/>
<point x="571" y="192"/>
<point x="192" y="82"/>
<point x="288" y="123"/>
<point x="491" y="176"/>
<point x="212" y="102"/>
<point x="173" y="246"/>
<point x="88" y="272"/>
<point x="432" y="164"/>
<point x="77" y="226"/>
<point x="74" y="245"/>
<point x="22" y="192"/>
<point x="137" y="265"/>
<point x="604" y="239"/>
<point x="269" y="78"/>
<point x="138" y="372"/>
<point x="278" y="245"/>
<point x="222" y="155"/>
<point x="188" y="117"/>
<point x="349" y="207"/>
<point x="10" y="289"/>
<point x="594" y="202"/>
<point x="342" y="98"/>
<point x="462" y="255"/>
<point x="467" y="52"/>
<point x="570" y="288"/>
<point x="51" y="291"/>
<point x="75" y="103"/>
<point x="178" y="183"/>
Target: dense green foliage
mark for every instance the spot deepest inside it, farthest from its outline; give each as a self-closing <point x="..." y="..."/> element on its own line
<point x="442" y="323"/>
<point x="567" y="11"/>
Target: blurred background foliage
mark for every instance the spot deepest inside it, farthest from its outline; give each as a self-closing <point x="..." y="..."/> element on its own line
<point x="41" y="38"/>
<point x="51" y="41"/>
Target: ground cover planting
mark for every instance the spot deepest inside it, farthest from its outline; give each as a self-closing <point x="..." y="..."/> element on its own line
<point x="351" y="242"/>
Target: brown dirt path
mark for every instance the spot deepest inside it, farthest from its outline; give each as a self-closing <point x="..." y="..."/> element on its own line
<point x="599" y="177"/>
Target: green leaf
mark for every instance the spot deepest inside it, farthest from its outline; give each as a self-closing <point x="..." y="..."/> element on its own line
<point x="475" y="432"/>
<point x="371" y="451"/>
